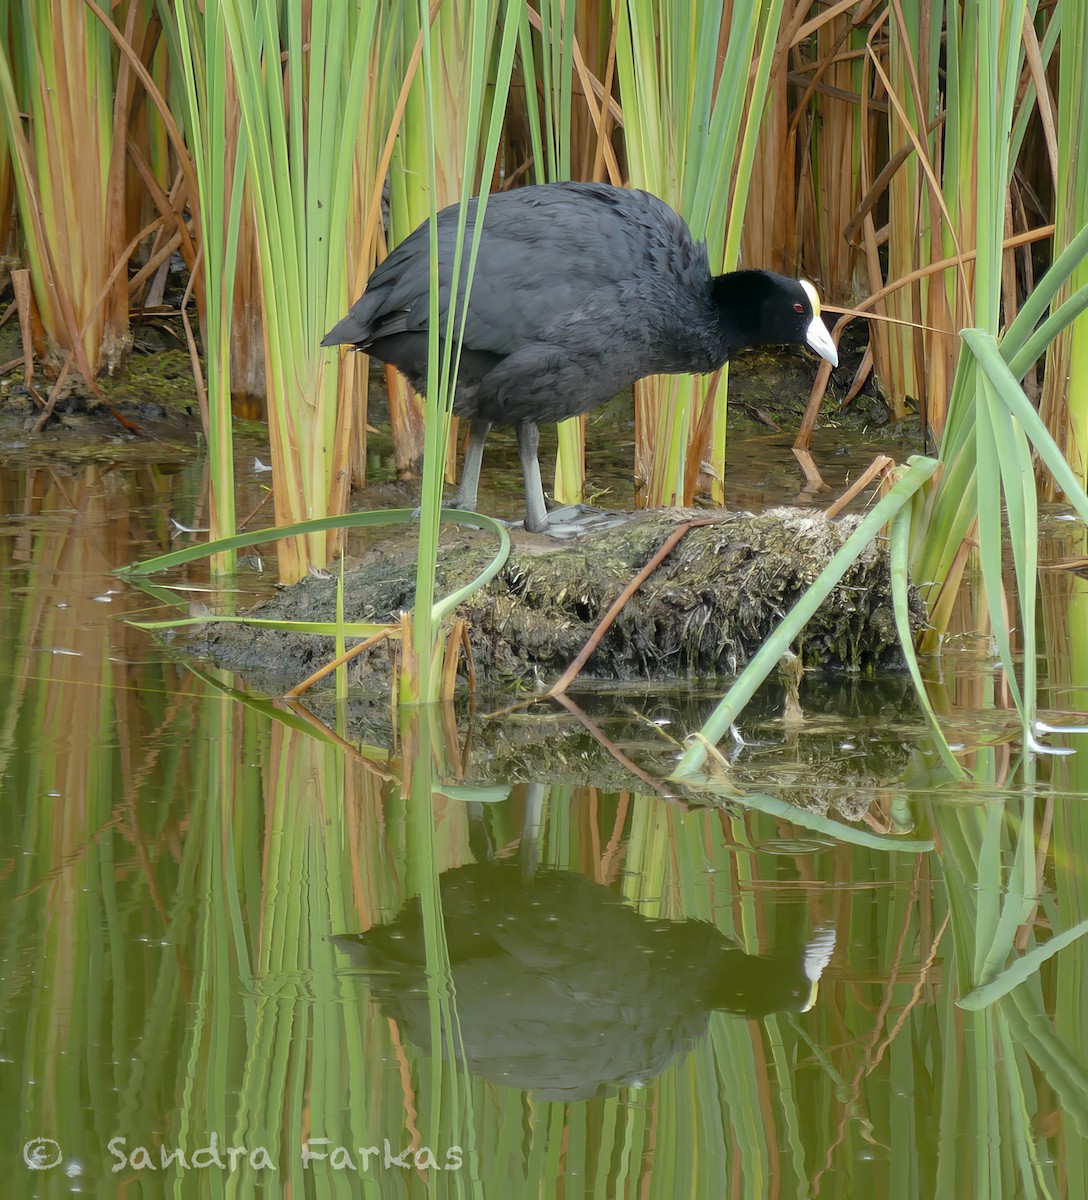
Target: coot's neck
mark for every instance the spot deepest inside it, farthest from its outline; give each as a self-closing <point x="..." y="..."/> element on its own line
<point x="738" y="298"/>
<point x="755" y="986"/>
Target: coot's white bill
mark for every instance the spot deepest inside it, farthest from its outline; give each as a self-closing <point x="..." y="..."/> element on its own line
<point x="821" y="341"/>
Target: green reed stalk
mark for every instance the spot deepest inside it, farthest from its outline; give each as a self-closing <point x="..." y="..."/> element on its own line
<point x="8" y="223"/>
<point x="450" y="1107"/>
<point x="301" y="77"/>
<point x="225" y="815"/>
<point x="690" y="134"/>
<point x="939" y="196"/>
<point x="986" y="457"/>
<point x="1068" y="629"/>
<point x="305" y="1052"/>
<point x="1064" y="404"/>
<point x="552" y="162"/>
<point x="991" y="866"/>
<point x="486" y="97"/>
<point x="952" y="507"/>
<point x="212" y="128"/>
<point x="414" y="188"/>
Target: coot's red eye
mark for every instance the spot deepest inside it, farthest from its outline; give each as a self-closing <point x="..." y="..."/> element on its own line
<point x="798" y="308"/>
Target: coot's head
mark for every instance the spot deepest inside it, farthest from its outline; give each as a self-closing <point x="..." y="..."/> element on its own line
<point x="760" y="308"/>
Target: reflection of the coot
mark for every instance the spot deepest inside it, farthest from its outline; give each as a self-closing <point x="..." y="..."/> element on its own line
<point x="562" y="988"/>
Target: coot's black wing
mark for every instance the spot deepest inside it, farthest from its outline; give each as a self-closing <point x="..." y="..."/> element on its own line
<point x="552" y="259"/>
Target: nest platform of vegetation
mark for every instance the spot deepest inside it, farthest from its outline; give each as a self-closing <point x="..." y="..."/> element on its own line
<point x="702" y="613"/>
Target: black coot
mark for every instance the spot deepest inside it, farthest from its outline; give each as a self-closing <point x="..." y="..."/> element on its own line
<point x="579" y="290"/>
<point x="563" y="988"/>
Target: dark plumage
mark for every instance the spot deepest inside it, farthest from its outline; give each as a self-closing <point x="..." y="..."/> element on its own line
<point x="563" y="988"/>
<point x="579" y="290"/>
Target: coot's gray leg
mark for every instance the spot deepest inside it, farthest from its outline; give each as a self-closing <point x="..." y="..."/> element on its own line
<point x="470" y="472"/>
<point x="536" y="515"/>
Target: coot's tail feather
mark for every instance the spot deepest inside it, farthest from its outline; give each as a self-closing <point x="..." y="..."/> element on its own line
<point x="348" y="332"/>
<point x="367" y="321"/>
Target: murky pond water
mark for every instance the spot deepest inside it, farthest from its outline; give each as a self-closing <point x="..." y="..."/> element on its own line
<point x="243" y="955"/>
